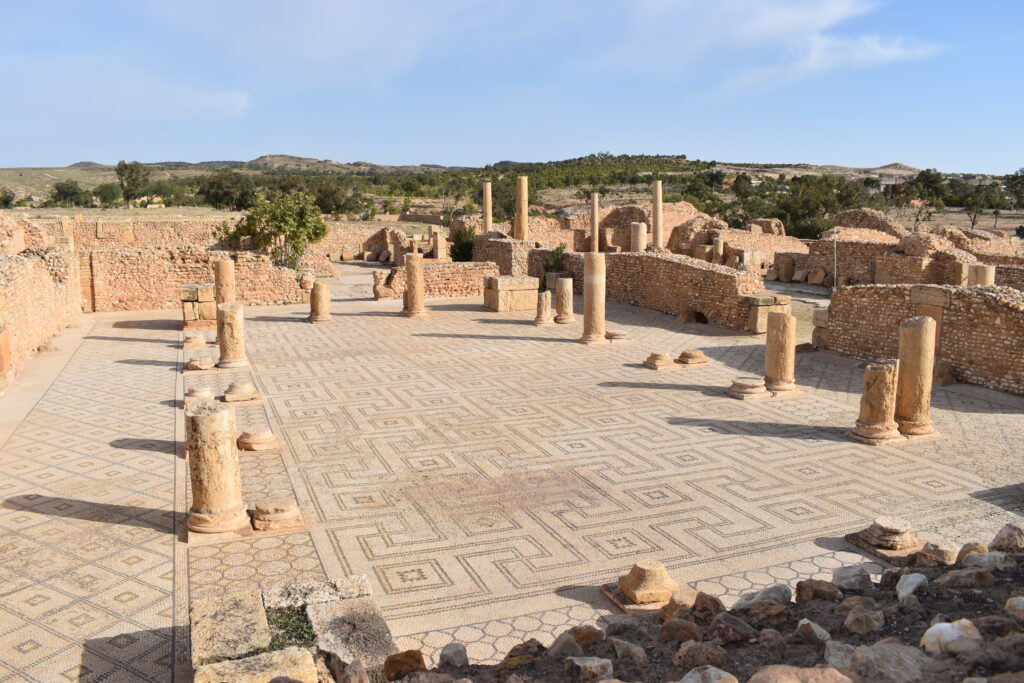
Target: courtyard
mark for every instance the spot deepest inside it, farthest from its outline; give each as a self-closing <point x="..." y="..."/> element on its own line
<point x="486" y="474"/>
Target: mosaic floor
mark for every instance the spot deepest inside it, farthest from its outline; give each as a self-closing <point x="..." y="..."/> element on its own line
<point x="487" y="474"/>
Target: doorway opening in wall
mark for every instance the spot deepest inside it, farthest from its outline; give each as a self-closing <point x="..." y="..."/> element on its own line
<point x="699" y="317"/>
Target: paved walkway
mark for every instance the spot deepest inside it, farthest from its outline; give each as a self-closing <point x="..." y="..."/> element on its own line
<point x="486" y="474"/>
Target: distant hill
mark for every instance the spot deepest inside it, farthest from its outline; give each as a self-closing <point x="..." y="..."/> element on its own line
<point x="85" y="164"/>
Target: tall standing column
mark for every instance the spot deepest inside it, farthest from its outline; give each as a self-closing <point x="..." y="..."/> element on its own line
<point x="593" y="298"/>
<point x="563" y="301"/>
<point x="320" y="302"/>
<point x="780" y="352"/>
<point x="414" y="286"/>
<point x="213" y="469"/>
<point x="914" y="383"/>
<point x="520" y="229"/>
<point x="638" y="237"/>
<point x="878" y="403"/>
<point x="657" y="218"/>
<point x="488" y="208"/>
<point x="231" y="336"/>
<point x="595" y="221"/>
<point x="224" y="281"/>
<point x="980" y="274"/>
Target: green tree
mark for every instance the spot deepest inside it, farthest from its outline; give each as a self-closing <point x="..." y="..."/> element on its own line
<point x="69" y="193"/>
<point x="406" y="205"/>
<point x="133" y="178"/>
<point x="7" y="198"/>
<point x="284" y="225"/>
<point x="107" y="194"/>
<point x="228" y="190"/>
<point x="462" y="243"/>
<point x="1015" y="186"/>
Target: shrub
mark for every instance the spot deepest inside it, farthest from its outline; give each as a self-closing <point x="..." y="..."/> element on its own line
<point x="284" y="225"/>
<point x="554" y="261"/>
<point x="462" y="243"/>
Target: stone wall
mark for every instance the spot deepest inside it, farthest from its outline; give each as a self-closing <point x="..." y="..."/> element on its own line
<point x="440" y="280"/>
<point x="980" y="328"/>
<point x="509" y="255"/>
<point x="39" y="296"/>
<point x="149" y="277"/>
<point x="856" y="259"/>
<point x="1010" y="276"/>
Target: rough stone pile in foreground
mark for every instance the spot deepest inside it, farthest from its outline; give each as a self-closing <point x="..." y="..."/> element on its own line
<point x="919" y="623"/>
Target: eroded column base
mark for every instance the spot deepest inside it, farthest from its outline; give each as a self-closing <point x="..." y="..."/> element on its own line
<point x="213" y="523"/>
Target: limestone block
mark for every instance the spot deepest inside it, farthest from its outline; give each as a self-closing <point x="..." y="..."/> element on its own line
<point x="819" y="316"/>
<point x="648" y="581"/>
<point x="276" y="514"/>
<point x="311" y="592"/>
<point x="189" y="292"/>
<point x="512" y="282"/>
<point x="510" y="300"/>
<point x="816" y="276"/>
<point x="207" y="310"/>
<point x="747" y="388"/>
<point x="352" y="629"/>
<point x="786" y="266"/>
<point x="292" y="664"/>
<point x="189" y="311"/>
<point x="704" y="252"/>
<point x="205" y="291"/>
<point x="257" y="439"/>
<point x="800" y="275"/>
<point x="241" y="390"/>
<point x="659" y="361"/>
<point x="228" y="626"/>
<point x="932" y="295"/>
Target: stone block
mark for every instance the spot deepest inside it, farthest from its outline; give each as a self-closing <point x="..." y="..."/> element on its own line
<point x="228" y="626"/>
<point x="504" y="283"/>
<point x="189" y="310"/>
<point x="510" y="300"/>
<point x="347" y="256"/>
<point x="205" y="291"/>
<point x="207" y="310"/>
<point x="819" y="316"/>
<point x="292" y="664"/>
<point x="189" y="292"/>
<point x="311" y="591"/>
<point x="759" y="299"/>
<point x="757" y="322"/>
<point x="931" y="295"/>
<point x="352" y="629"/>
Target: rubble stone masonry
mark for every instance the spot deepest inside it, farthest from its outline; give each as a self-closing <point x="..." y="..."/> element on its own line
<point x="453" y="279"/>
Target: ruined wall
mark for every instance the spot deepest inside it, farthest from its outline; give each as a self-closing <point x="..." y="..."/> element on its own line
<point x="39" y="296"/>
<point x="451" y="280"/>
<point x="768" y="245"/>
<point x="509" y="255"/>
<point x="870" y="219"/>
<point x="856" y="258"/>
<point x="145" y="278"/>
<point x="980" y="328"/>
<point x="1010" y="276"/>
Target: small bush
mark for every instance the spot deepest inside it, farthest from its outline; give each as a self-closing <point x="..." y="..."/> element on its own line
<point x="462" y="243"/>
<point x="1020" y="231"/>
<point x="554" y="261"/>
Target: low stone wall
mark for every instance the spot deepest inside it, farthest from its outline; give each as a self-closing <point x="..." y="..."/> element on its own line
<point x="980" y="328"/>
<point x="440" y="280"/>
<point x="39" y="296"/>
<point x="149" y="277"/>
<point x="1010" y="276"/>
<point x="509" y="255"/>
<point x="856" y="260"/>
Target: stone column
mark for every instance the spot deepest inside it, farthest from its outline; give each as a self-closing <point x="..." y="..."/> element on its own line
<point x="213" y="468"/>
<point x="521" y="227"/>
<point x="231" y="336"/>
<point x="320" y="302"/>
<point x="414" y="286"/>
<point x="488" y="208"/>
<point x="224" y="281"/>
<point x="878" y="403"/>
<point x="440" y="245"/>
<point x="593" y="298"/>
<point x="595" y="222"/>
<point x="979" y="274"/>
<point x="543" y="308"/>
<point x="563" y="301"/>
<point x="718" y="251"/>
<point x="914" y="383"/>
<point x="780" y="352"/>
<point x="638" y="237"/>
<point x="657" y="218"/>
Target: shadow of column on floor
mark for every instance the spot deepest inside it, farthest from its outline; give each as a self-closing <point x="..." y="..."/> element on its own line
<point x="165" y="521"/>
<point x="158" y="324"/>
<point x="1010" y="498"/>
<point x="766" y="429"/>
<point x="158" y="655"/>
<point x="154" y="445"/>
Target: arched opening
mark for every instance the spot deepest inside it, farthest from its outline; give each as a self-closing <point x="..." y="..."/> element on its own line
<point x="699" y="317"/>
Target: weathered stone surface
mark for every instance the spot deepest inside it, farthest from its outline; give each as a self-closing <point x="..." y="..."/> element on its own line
<point x="310" y="592"/>
<point x="213" y="469"/>
<point x="453" y="654"/>
<point x="768" y="613"/>
<point x="565" y="645"/>
<point x="774" y="644"/>
<point x="629" y="651"/>
<point x="692" y="357"/>
<point x="1015" y="607"/>
<point x="990" y="561"/>
<point x="936" y="554"/>
<point x="970" y="548"/>
<point x="273" y="514"/>
<point x="692" y="654"/>
<point x="812" y="632"/>
<point x="726" y="628"/>
<point x="950" y="638"/>
<point x="747" y="387"/>
<point x="194" y="341"/>
<point x="228" y="626"/>
<point x="707" y="605"/>
<point x="293" y="664"/>
<point x="779" y="673"/>
<point x="817" y="589"/>
<point x="241" y="391"/>
<point x="973" y="577"/>
<point x="862" y="620"/>
<point x="200" y="364"/>
<point x="648" y="581"/>
<point x="776" y="592"/>
<point x="659" y="360"/>
<point x="352" y="629"/>
<point x="348" y="672"/>
<point x="258" y="439"/>
<point x="838" y="654"/>
<point x="679" y="630"/>
<point x="589" y="669"/>
<point x="889" y="533"/>
<point x="852" y="579"/>
<point x="681" y="600"/>
<point x="708" y="674"/>
<point x="1010" y="537"/>
<point x="888" y="661"/>
<point x="402" y="663"/>
<point x="908" y="583"/>
<point x="587" y="634"/>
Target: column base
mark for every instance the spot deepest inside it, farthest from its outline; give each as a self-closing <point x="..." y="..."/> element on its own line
<point x="565" y="320"/>
<point x="233" y="363"/>
<point x="543" y="322"/>
<point x="909" y="428"/>
<point x="593" y="340"/>
<point x="415" y="314"/>
<point x="210" y="523"/>
<point x="875" y="433"/>
<point x="321" y="319"/>
<point x="779" y="384"/>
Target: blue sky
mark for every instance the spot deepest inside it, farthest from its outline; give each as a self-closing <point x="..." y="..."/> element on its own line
<point x="469" y="82"/>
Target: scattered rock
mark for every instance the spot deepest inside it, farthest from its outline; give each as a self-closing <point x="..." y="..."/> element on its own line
<point x="1015" y="607"/>
<point x="888" y="661"/>
<point x="620" y="623"/>
<point x="228" y="627"/>
<point x="936" y="554"/>
<point x="565" y="645"/>
<point x="292" y="664"/>
<point x="589" y="669"/>
<point x="853" y="602"/>
<point x="707" y="606"/>
<point x="454" y="654"/>
<point x="629" y="651"/>
<point x="692" y="654"/>
<point x="995" y="625"/>
<point x="514" y="662"/>
<point x="200" y="364"/>
<point x="402" y="663"/>
<point x="648" y="581"/>
<point x="241" y="391"/>
<point x="909" y="583"/>
<point x="889" y="533"/>
<point x="853" y="579"/>
<point x="1002" y="654"/>
<point x="862" y="621"/>
<point x="310" y="592"/>
<point x="990" y="561"/>
<point x="352" y="672"/>
<point x="973" y="577"/>
<point x="1010" y="537"/>
<point x="816" y="589"/>
<point x="838" y="654"/>
<point x="352" y="629"/>
<point x="942" y="639"/>
<point x="768" y="613"/>
<point x="812" y="632"/>
<point x="587" y="634"/>
<point x="779" y="673"/>
<point x="970" y="548"/>
<point x="776" y="592"/>
<point x="708" y="674"/>
<point x="726" y="628"/>
<point x="774" y="644"/>
<point x="679" y="630"/>
<point x="47" y="347"/>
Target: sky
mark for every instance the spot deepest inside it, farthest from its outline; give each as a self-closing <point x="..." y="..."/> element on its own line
<point x="929" y="83"/>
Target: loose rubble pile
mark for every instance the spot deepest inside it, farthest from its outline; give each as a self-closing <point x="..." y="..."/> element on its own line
<point x="944" y="618"/>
